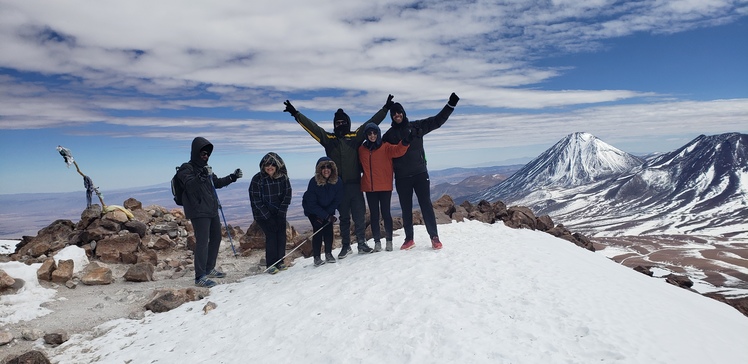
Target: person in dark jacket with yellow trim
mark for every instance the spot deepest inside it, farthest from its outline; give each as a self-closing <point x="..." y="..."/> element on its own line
<point x="269" y="197"/>
<point x="342" y="147"/>
<point x="200" y="204"/>
<point x="411" y="174"/>
<point x="321" y="199"/>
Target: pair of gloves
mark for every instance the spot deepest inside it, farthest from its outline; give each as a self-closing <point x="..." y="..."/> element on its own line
<point x="331" y="219"/>
<point x="208" y="171"/>
<point x="292" y="110"/>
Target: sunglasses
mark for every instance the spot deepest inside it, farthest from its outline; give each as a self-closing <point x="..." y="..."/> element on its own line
<point x="204" y="154"/>
<point x="340" y="122"/>
<point x="270" y="165"/>
<point x="370" y="132"/>
<point x="326" y="166"/>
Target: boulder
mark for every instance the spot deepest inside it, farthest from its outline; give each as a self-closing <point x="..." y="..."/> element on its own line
<point x="64" y="271"/>
<point x="168" y="299"/>
<point x="56" y="338"/>
<point x="97" y="276"/>
<point x="44" y="273"/>
<point x="29" y="357"/>
<point x="140" y="272"/>
<point x="115" y="249"/>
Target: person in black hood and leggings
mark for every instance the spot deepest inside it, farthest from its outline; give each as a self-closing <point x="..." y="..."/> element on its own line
<point x="200" y="204"/>
<point x="411" y="174"/>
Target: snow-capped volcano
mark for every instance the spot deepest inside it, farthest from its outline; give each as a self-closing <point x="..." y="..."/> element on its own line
<point x="700" y="188"/>
<point x="579" y="159"/>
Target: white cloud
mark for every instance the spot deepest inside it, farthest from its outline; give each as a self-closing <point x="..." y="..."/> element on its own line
<point x="295" y="45"/>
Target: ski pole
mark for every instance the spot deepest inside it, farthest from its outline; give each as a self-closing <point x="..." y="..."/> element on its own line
<point x="298" y="246"/>
<point x="215" y="192"/>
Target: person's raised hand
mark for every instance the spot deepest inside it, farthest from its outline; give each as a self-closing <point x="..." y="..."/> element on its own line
<point x="237" y="174"/>
<point x="453" y="99"/>
<point x="389" y="103"/>
<point x="290" y="109"/>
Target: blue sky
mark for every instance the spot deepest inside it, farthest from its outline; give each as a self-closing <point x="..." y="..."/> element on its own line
<point x="127" y="85"/>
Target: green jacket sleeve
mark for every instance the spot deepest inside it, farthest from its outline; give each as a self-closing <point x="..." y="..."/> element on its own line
<point x="316" y="131"/>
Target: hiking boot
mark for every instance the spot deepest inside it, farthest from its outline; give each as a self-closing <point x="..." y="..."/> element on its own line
<point x="345" y="251"/>
<point x="435" y="243"/>
<point x="204" y="282"/>
<point x="281" y="266"/>
<point x="364" y="249"/>
<point x="409" y="244"/>
<point x="329" y="258"/>
<point x="388" y="247"/>
<point x="318" y="261"/>
<point x="377" y="246"/>
<point x="216" y="274"/>
<point x="273" y="270"/>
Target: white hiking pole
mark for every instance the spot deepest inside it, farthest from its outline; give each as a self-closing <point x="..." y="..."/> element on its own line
<point x="297" y="247"/>
<point x="222" y="215"/>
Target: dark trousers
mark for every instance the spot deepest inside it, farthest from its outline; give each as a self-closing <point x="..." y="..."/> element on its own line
<point x="352" y="205"/>
<point x="275" y="239"/>
<point x="421" y="185"/>
<point x="325" y="234"/>
<point x="380" y="201"/>
<point x="207" y="242"/>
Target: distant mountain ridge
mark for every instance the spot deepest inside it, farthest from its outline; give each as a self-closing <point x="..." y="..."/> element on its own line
<point x="701" y="187"/>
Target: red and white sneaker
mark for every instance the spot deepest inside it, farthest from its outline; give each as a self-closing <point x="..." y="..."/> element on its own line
<point x="409" y="244"/>
<point x="435" y="243"/>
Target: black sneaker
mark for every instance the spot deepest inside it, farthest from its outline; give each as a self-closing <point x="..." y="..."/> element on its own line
<point x="203" y="281"/>
<point x="364" y="249"/>
<point x="329" y="258"/>
<point x="281" y="266"/>
<point x="345" y="251"/>
<point x="318" y="261"/>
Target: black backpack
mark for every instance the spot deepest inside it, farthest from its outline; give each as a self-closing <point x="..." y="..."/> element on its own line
<point x="177" y="189"/>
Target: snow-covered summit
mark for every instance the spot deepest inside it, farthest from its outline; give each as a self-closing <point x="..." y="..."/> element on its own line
<point x="576" y="160"/>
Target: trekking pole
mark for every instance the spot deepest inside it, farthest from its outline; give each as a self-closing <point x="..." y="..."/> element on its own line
<point x="297" y="247"/>
<point x="215" y="193"/>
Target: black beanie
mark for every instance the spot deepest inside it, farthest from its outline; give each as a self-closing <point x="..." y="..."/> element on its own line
<point x="396" y="107"/>
<point x="341" y="115"/>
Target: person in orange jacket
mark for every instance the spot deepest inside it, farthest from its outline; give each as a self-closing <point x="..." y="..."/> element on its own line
<point x="376" y="182"/>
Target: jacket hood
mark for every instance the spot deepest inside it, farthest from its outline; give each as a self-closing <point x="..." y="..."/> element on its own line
<point x="368" y="144"/>
<point x="199" y="144"/>
<point x="397" y="107"/>
<point x="277" y="161"/>
<point x="319" y="178"/>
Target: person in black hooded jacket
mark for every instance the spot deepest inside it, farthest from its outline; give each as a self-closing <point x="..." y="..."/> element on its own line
<point x="342" y="147"/>
<point x="200" y="202"/>
<point x="411" y="174"/>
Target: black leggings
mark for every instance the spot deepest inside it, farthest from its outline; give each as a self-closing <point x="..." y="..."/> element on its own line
<point x="421" y="184"/>
<point x="275" y="239"/>
<point x="380" y="200"/>
<point x="325" y="234"/>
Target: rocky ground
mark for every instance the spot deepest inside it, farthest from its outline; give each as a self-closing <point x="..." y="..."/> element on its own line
<point x="83" y="308"/>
